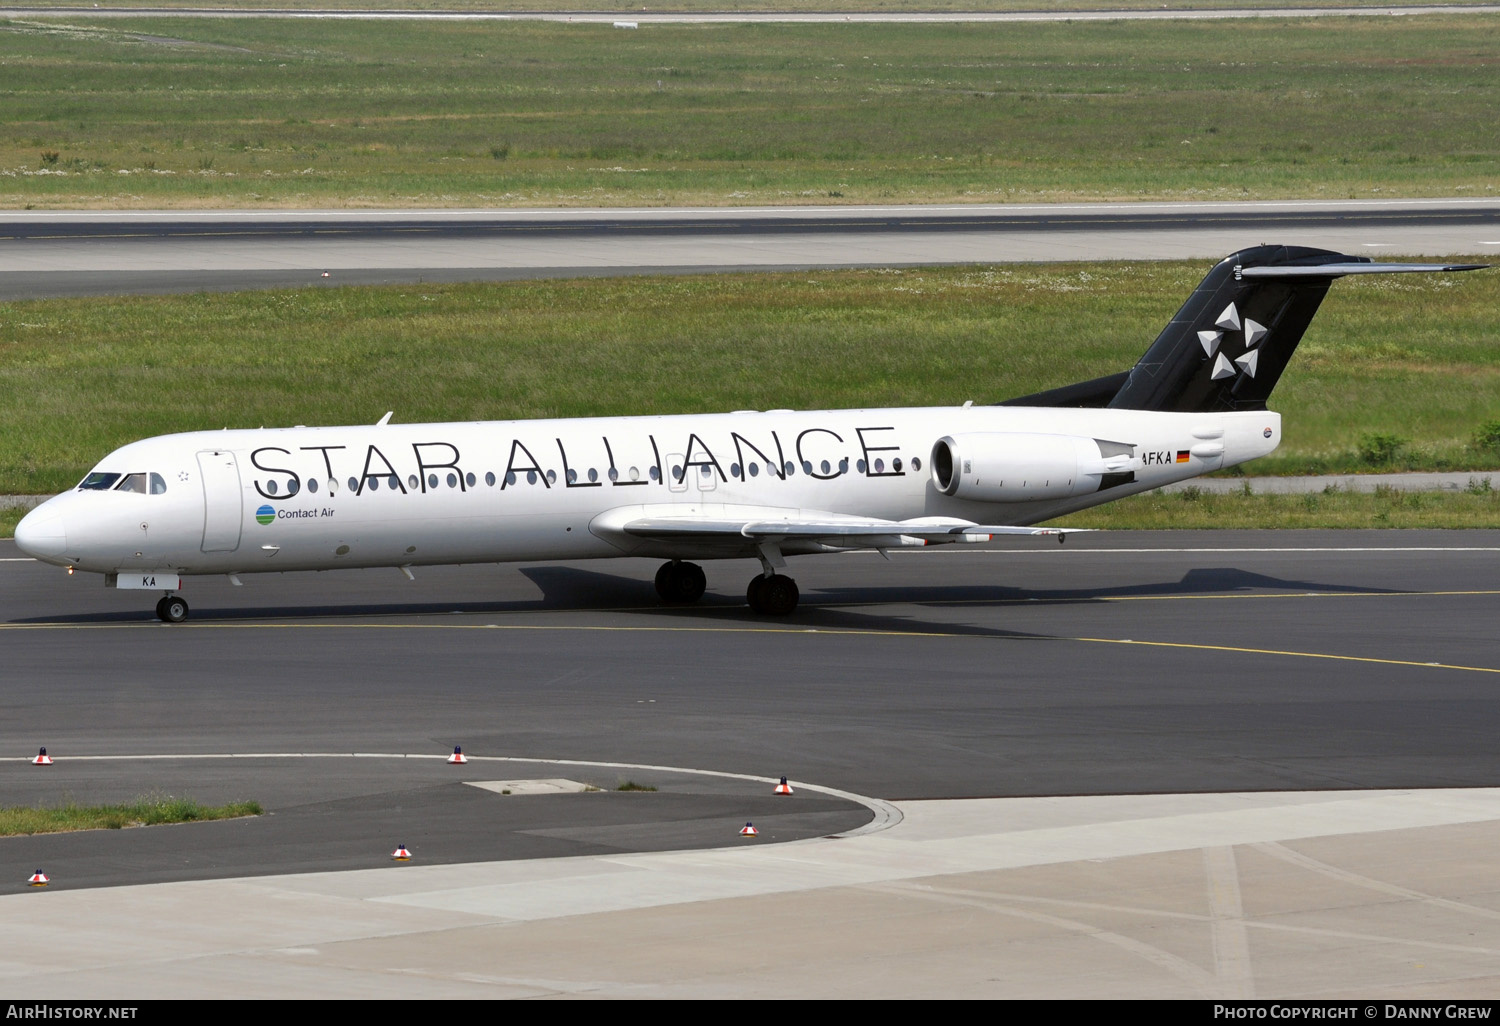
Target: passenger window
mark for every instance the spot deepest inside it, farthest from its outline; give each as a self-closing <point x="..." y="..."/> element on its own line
<point x="158" y="484"/>
<point x="132" y="483"/>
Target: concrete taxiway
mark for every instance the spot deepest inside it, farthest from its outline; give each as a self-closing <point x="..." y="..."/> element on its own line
<point x="51" y="253"/>
<point x="1302" y="716"/>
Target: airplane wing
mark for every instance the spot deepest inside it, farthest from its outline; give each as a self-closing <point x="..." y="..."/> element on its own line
<point x="837" y="531"/>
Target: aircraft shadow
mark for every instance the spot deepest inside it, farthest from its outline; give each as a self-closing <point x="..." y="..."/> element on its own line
<point x="1198" y="581"/>
<point x="569" y="588"/>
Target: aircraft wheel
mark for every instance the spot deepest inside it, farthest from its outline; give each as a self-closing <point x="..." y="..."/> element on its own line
<point x="172" y="609"/>
<point x="754" y="595"/>
<point x="776" y="596"/>
<point x="681" y="583"/>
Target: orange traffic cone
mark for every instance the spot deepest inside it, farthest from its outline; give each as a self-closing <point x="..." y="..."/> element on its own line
<point x="39" y="879"/>
<point x="783" y="787"/>
<point x="42" y="759"/>
<point x="401" y="854"/>
<point x="457" y="758"/>
<point x="749" y="831"/>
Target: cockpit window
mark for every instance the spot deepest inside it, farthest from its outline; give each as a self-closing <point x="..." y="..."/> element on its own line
<point x="98" y="481"/>
<point x="158" y="484"/>
<point x="132" y="483"/>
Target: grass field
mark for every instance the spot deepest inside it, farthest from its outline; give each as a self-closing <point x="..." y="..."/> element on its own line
<point x="230" y="113"/>
<point x="698" y="6"/>
<point x="1385" y="508"/>
<point x="150" y="810"/>
<point x="1410" y="360"/>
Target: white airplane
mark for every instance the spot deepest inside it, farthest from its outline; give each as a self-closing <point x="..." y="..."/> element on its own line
<point x="745" y="485"/>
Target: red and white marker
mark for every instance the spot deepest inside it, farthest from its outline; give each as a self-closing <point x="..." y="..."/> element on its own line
<point x="39" y="879"/>
<point x="401" y="854"/>
<point x="749" y="831"/>
<point x="457" y="758"/>
<point x="42" y="759"/>
<point x="783" y="787"/>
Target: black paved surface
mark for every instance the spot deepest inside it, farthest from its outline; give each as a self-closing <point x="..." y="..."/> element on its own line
<point x="501" y="227"/>
<point x="165" y="234"/>
<point x="1151" y="662"/>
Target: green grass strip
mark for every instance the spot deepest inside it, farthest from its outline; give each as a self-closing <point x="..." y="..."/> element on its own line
<point x="174" y="112"/>
<point x="1478" y="507"/>
<point x="1395" y="373"/>
<point x="144" y="811"/>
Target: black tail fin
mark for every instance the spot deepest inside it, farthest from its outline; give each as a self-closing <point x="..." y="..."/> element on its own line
<point x="1227" y="346"/>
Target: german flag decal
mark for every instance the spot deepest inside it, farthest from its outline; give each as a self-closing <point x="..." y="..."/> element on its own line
<point x="1182" y="455"/>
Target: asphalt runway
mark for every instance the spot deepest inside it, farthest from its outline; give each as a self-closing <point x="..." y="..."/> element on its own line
<point x="50" y="253"/>
<point x="1120" y="663"/>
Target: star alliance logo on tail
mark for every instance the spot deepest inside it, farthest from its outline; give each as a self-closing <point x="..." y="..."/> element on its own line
<point x="265" y="515"/>
<point x="1229" y="322"/>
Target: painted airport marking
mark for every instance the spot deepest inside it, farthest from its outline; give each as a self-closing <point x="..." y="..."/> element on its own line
<point x="886" y="814"/>
<point x="847" y="631"/>
<point x="1080" y="550"/>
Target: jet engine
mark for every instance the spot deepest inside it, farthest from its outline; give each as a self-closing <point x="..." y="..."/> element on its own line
<point x="1008" y="466"/>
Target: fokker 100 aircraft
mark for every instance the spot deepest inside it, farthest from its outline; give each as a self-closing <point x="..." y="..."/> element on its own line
<point x="746" y="485"/>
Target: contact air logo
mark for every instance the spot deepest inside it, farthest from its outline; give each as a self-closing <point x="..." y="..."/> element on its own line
<point x="265" y="515"/>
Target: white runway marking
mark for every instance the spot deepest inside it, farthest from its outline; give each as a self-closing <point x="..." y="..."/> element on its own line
<point x="1217" y="551"/>
<point x="886" y="814"/>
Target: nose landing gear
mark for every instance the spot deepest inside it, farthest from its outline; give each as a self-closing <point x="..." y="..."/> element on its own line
<point x="172" y="609"/>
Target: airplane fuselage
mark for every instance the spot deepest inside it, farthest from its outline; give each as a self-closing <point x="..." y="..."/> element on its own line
<point x="318" y="498"/>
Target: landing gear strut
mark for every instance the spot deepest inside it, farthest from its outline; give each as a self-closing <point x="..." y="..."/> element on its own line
<point x="172" y="609"/>
<point x="772" y="596"/>
<point x="680" y="583"/>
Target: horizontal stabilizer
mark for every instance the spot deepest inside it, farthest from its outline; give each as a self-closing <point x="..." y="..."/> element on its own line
<point x="1339" y="270"/>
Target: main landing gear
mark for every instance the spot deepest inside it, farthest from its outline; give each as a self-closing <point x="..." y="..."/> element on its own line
<point x="172" y="609"/>
<point x="772" y="596"/>
<point x="680" y="583"/>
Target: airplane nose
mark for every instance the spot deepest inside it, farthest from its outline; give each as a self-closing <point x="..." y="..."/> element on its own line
<point x="40" y="533"/>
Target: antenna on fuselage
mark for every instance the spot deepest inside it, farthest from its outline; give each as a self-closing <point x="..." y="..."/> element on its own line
<point x="383" y="421"/>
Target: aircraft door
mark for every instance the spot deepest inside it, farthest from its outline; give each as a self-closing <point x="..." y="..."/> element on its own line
<point x="223" y="501"/>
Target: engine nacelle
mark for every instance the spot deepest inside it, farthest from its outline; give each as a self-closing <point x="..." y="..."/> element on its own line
<point x="1012" y="466"/>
